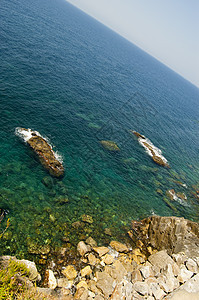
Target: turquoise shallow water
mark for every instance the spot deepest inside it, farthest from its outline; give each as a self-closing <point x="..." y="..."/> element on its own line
<point x="76" y="82"/>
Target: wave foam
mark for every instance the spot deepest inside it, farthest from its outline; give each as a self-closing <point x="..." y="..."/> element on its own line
<point x="150" y="148"/>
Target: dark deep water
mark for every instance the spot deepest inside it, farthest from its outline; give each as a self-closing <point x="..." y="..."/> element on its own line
<point x="77" y="82"/>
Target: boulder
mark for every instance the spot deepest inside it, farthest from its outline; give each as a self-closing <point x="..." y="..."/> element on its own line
<point x="86" y="271"/>
<point x="101" y="250"/>
<point x="82" y="248"/>
<point x="93" y="260"/>
<point x="50" y="280"/>
<point x="119" y="246"/>
<point x="160" y="259"/>
<point x="105" y="283"/>
<point x="69" y="272"/>
<point x="44" y="151"/>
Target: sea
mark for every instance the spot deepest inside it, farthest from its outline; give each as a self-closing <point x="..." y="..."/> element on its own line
<point x="78" y="83"/>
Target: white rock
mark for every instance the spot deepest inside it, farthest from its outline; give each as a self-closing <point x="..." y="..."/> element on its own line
<point x="184" y="275"/>
<point x="146" y="271"/>
<point x="191" y="265"/>
<point x="128" y="290"/>
<point x="141" y="287"/>
<point x="52" y="282"/>
<point x="62" y="282"/>
<point x="30" y="265"/>
<point x="179" y="258"/>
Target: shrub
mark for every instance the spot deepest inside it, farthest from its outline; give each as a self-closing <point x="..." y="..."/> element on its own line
<point x="10" y="283"/>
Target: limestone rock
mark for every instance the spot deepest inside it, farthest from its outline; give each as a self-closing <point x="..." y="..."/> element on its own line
<point x="50" y="280"/>
<point x="136" y="276"/>
<point x="116" y="270"/>
<point x="118" y="246"/>
<point x="86" y="271"/>
<point x="92" y="286"/>
<point x="81" y="284"/>
<point x="187" y="291"/>
<point x="93" y="261"/>
<point x="157" y="292"/>
<point x="141" y="287"/>
<point x="82" y="248"/>
<point x="184" y="275"/>
<point x="108" y="259"/>
<point x="146" y="271"/>
<point x="101" y="250"/>
<point x="62" y="282"/>
<point x="105" y="283"/>
<point x="160" y="259"/>
<point x="69" y="272"/>
<point x="81" y="294"/>
<point x="90" y="241"/>
<point x="117" y="292"/>
<point x="99" y="297"/>
<point x="30" y="265"/>
<point x="171" y="233"/>
<point x="191" y="265"/>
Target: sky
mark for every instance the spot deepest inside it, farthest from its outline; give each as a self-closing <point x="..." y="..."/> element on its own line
<point x="166" y="29"/>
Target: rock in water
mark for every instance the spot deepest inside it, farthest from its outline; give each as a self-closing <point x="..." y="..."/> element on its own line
<point x="110" y="145"/>
<point x="153" y="151"/>
<point x="44" y="151"/>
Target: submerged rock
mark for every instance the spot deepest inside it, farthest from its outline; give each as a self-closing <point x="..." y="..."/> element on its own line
<point x="153" y="151"/>
<point x="110" y="145"/>
<point x="44" y="151"/>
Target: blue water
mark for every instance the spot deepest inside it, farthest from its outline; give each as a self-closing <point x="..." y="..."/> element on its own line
<point x="77" y="82"/>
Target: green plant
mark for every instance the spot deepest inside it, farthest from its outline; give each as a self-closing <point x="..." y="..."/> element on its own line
<point x="10" y="280"/>
<point x="7" y="225"/>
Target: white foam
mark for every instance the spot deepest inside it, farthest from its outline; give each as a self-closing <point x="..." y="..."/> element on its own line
<point x="58" y="156"/>
<point x="155" y="149"/>
<point x="178" y="199"/>
<point x="26" y="134"/>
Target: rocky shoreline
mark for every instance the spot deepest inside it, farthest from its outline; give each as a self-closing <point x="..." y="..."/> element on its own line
<point x="160" y="262"/>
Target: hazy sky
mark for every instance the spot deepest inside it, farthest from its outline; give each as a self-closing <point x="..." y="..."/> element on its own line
<point x="166" y="29"/>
